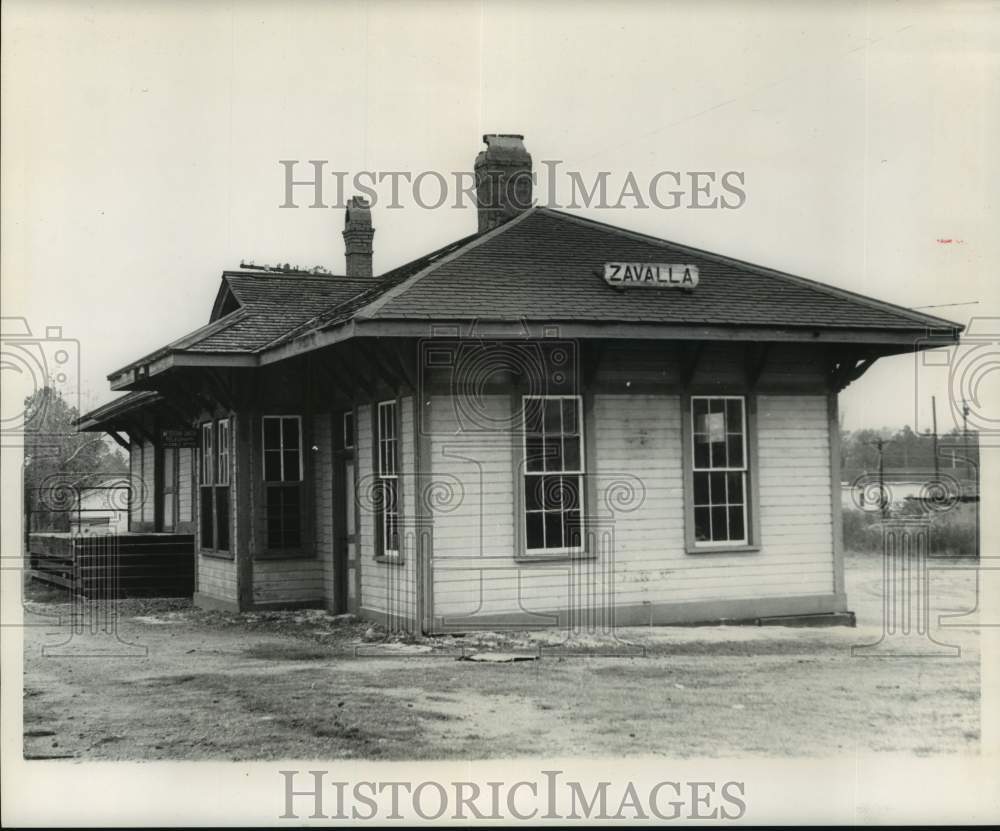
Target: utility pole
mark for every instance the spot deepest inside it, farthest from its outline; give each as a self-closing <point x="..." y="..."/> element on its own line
<point x="965" y="435"/>
<point x="883" y="501"/>
<point x="937" y="463"/>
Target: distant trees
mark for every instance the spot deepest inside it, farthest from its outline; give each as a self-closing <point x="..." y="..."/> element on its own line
<point x="58" y="459"/>
<point x="906" y="450"/>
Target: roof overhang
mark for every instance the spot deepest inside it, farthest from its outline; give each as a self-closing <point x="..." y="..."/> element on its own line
<point x="881" y="340"/>
<point x="137" y="376"/>
<point x="141" y="375"/>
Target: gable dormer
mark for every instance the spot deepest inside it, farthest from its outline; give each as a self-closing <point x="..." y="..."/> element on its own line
<point x="225" y="302"/>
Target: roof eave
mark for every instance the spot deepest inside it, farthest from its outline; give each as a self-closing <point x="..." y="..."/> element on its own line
<point x="136" y="376"/>
<point x="896" y="340"/>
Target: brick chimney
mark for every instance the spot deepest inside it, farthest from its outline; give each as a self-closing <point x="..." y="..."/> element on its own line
<point x="358" y="233"/>
<point x="503" y="179"/>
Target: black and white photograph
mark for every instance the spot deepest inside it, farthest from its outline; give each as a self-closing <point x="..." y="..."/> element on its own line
<point x="477" y="411"/>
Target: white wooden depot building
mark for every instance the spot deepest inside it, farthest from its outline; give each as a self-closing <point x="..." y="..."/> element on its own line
<point x="551" y="421"/>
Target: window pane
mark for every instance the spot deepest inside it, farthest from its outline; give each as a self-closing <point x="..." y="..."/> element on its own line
<point x="735" y="481"/>
<point x="272" y="433"/>
<point x="292" y="472"/>
<point x="572" y="530"/>
<point x="535" y="534"/>
<point x="348" y="430"/>
<point x="736" y="531"/>
<point x="734" y="415"/>
<point x="553" y="452"/>
<point x="222" y="518"/>
<point x="534" y="490"/>
<point x="701" y="454"/>
<point x="207" y="538"/>
<point x="699" y="407"/>
<point x="571" y="453"/>
<point x="552" y="418"/>
<point x="719" y="454"/>
<point x="532" y="415"/>
<point x="719" y="524"/>
<point x="569" y="407"/>
<point x="290" y="427"/>
<point x="717" y="488"/>
<point x="569" y="488"/>
<point x="272" y="465"/>
<point x="534" y="451"/>
<point x="701" y="488"/>
<point x="275" y="516"/>
<point x="553" y="529"/>
<point x="702" y="525"/>
<point x="390" y="494"/>
<point x="292" y="524"/>
<point x="735" y="442"/>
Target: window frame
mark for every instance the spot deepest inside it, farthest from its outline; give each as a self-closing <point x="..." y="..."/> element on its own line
<point x="209" y="467"/>
<point x="347" y="430"/>
<point x="266" y="550"/>
<point x="751" y="507"/>
<point x="524" y="553"/>
<point x="383" y="553"/>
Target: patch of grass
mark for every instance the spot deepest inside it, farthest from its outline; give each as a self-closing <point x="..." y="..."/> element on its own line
<point x="285" y="652"/>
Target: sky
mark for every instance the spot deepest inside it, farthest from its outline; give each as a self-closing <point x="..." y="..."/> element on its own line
<point x="142" y="142"/>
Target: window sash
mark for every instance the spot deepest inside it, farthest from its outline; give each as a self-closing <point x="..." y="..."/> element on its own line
<point x="714" y="505"/>
<point x="222" y="453"/>
<point x="207" y="453"/>
<point x="214" y="503"/>
<point x="553" y="491"/>
<point x="387" y="439"/>
<point x="728" y="432"/>
<point x="283" y="450"/>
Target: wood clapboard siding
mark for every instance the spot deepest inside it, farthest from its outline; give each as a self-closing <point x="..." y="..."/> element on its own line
<point x="287" y="580"/>
<point x="148" y="482"/>
<point x="636" y="438"/>
<point x="217" y="577"/>
<point x="388" y="588"/>
<point x="136" y="487"/>
<point x="323" y="497"/>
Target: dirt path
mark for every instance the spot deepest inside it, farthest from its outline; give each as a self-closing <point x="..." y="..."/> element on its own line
<point x="184" y="684"/>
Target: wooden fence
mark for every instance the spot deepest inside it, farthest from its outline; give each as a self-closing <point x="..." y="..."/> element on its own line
<point x="126" y="565"/>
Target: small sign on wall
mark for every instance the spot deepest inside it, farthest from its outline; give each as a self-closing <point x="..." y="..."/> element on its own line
<point x="178" y="438"/>
<point x="651" y="275"/>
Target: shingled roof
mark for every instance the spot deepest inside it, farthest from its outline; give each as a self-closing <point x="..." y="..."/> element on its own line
<point x="542" y="266"/>
<point x="548" y="265"/>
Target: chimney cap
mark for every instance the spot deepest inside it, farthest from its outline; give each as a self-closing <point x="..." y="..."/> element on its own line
<point x="358" y="212"/>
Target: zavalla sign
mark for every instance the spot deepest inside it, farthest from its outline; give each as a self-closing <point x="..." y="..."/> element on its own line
<point x="651" y="275"/>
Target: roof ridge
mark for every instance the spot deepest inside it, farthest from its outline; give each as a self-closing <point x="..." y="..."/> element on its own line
<point x="836" y="291"/>
<point x="381" y="286"/>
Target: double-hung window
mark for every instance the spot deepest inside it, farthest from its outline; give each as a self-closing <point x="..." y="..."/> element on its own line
<point x="214" y="490"/>
<point x="282" y="443"/>
<point x="719" y="470"/>
<point x="553" y="474"/>
<point x="388" y="480"/>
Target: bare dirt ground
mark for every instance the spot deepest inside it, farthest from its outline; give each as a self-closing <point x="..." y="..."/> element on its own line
<point x="167" y="681"/>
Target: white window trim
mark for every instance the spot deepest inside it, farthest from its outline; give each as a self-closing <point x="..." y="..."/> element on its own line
<point x="388" y="553"/>
<point x="280" y="448"/>
<point x="579" y="473"/>
<point x="708" y="545"/>
<point x="222" y="452"/>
